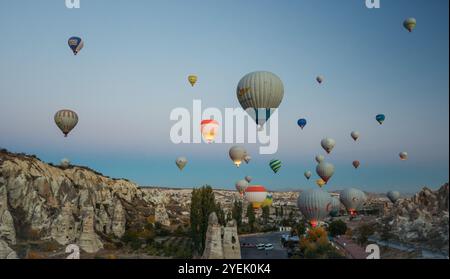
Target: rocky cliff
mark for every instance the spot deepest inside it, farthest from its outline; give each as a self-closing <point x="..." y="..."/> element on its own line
<point x="67" y="205"/>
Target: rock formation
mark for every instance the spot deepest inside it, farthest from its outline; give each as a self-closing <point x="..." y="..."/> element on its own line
<point x="221" y="242"/>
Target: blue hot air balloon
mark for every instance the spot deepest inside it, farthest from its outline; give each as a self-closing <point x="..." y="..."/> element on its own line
<point x="75" y="44"/>
<point x="302" y="123"/>
<point x="380" y="118"/>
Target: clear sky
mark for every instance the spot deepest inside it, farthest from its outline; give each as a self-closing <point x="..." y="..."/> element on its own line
<point x="133" y="69"/>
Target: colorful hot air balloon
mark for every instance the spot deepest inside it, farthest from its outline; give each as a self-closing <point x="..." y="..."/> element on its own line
<point x="302" y="123"/>
<point x="410" y="24"/>
<point x="237" y="154"/>
<point x="325" y="171"/>
<point x="320" y="79"/>
<point x="328" y="144"/>
<point x="181" y="162"/>
<point x="268" y="201"/>
<point x="65" y="163"/>
<point x="248" y="178"/>
<point x="320" y="158"/>
<point x="209" y="129"/>
<point x="355" y="135"/>
<point x="260" y="93"/>
<point x="393" y="196"/>
<point x="255" y="194"/>
<point x="353" y="199"/>
<point x="356" y="164"/>
<point x="192" y="79"/>
<point x="403" y="156"/>
<point x="66" y="120"/>
<point x="308" y="174"/>
<point x="241" y="186"/>
<point x="336" y="206"/>
<point x="320" y="182"/>
<point x="380" y="118"/>
<point x="75" y="44"/>
<point x="315" y="205"/>
<point x="275" y="165"/>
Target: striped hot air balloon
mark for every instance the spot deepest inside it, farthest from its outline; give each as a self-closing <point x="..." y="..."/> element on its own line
<point x="315" y="205"/>
<point x="353" y="200"/>
<point x="256" y="194"/>
<point x="209" y="129"/>
<point x="275" y="165"/>
<point x="66" y="120"/>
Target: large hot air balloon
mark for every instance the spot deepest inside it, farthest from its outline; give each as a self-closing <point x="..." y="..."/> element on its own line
<point x="248" y="178"/>
<point x="192" y="79"/>
<point x="308" y="174"/>
<point x="320" y="158"/>
<point x="260" y="93"/>
<point x="66" y="120"/>
<point x="237" y="154"/>
<point x="268" y="201"/>
<point x="356" y="164"/>
<point x="209" y="129"/>
<point x="75" y="44"/>
<point x="65" y="163"/>
<point x="380" y="118"/>
<point x="410" y="24"/>
<point x="393" y="196"/>
<point x="315" y="205"/>
<point x="355" y="135"/>
<point x="241" y="186"/>
<point x="328" y="144"/>
<point x="336" y="206"/>
<point x="256" y="194"/>
<point x="320" y="79"/>
<point x="325" y="171"/>
<point x="320" y="182"/>
<point x="181" y="162"/>
<point x="403" y="156"/>
<point x="302" y="123"/>
<point x="275" y="165"/>
<point x="353" y="199"/>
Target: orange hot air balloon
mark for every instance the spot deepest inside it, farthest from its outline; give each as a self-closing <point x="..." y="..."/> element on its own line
<point x="209" y="130"/>
<point x="256" y="194"/>
<point x="320" y="182"/>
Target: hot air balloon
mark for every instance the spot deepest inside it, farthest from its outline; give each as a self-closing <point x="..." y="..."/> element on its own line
<point x="302" y="123"/>
<point x="275" y="165"/>
<point x="241" y="186"/>
<point x="75" y="44"/>
<point x="255" y="194"/>
<point x="247" y="159"/>
<point x="248" y="178"/>
<point x="336" y="206"/>
<point x="393" y="196"/>
<point x="308" y="174"/>
<point x="353" y="199"/>
<point x="356" y="164"/>
<point x="325" y="171"/>
<point x="380" y="118"/>
<point x="268" y="201"/>
<point x="410" y="24"/>
<point x="209" y="129"/>
<point x="315" y="205"/>
<point x="320" y="158"/>
<point x="65" y="163"/>
<point x="260" y="93"/>
<point x="192" y="79"/>
<point x="66" y="120"/>
<point x="403" y="156"/>
<point x="328" y="144"/>
<point x="320" y="79"/>
<point x="237" y="154"/>
<point x="320" y="182"/>
<point x="181" y="162"/>
<point x="355" y="135"/>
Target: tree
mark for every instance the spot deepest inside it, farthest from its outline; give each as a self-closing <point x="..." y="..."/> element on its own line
<point x="202" y="205"/>
<point x="363" y="233"/>
<point x="337" y="227"/>
<point x="265" y="214"/>
<point x="229" y="216"/>
<point x="220" y="214"/>
<point x="236" y="212"/>
<point x="315" y="245"/>
<point x="281" y="212"/>
<point x="251" y="217"/>
<point x="300" y="229"/>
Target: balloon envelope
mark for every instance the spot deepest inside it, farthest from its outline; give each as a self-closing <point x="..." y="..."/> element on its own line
<point x="248" y="179"/>
<point x="356" y="164"/>
<point x="403" y="156"/>
<point x="255" y="194"/>
<point x="320" y="182"/>
<point x="325" y="171"/>
<point x="355" y="135"/>
<point x="66" y="120"/>
<point x="65" y="163"/>
<point x="320" y="158"/>
<point x="302" y="123"/>
<point x="237" y="154"/>
<point x="315" y="205"/>
<point x="410" y="24"/>
<point x="320" y="79"/>
<point x="192" y="79"/>
<point x="241" y="186"/>
<point x="75" y="44"/>
<point x="308" y="174"/>
<point x="353" y="199"/>
<point x="275" y="165"/>
<point x="328" y="144"/>
<point x="267" y="201"/>
<point x="181" y="162"/>
<point x="393" y="196"/>
<point x="209" y="129"/>
<point x="380" y="118"/>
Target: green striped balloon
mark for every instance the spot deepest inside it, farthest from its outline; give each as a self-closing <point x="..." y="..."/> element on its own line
<point x="275" y="165"/>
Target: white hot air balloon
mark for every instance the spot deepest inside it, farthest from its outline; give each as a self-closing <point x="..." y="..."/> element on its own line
<point x="260" y="93"/>
<point x="247" y="159"/>
<point x="403" y="156"/>
<point x="248" y="178"/>
<point x="255" y="194"/>
<point x="320" y="158"/>
<point x="181" y="162"/>
<point x="320" y="79"/>
<point x="241" y="186"/>
<point x="328" y="144"/>
<point x="315" y="205"/>
<point x="237" y="154"/>
<point x="393" y="196"/>
<point x="65" y="163"/>
<point x="353" y="199"/>
<point x="325" y="171"/>
<point x="308" y="174"/>
<point x="355" y="135"/>
<point x="66" y="120"/>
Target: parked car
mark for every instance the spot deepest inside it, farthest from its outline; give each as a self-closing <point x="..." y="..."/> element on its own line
<point x="260" y="246"/>
<point x="268" y="246"/>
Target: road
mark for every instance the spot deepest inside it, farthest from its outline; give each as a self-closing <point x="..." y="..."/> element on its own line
<point x="278" y="251"/>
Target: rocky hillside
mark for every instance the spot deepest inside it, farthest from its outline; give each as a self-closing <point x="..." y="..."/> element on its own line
<point x="422" y="219"/>
<point x="74" y="205"/>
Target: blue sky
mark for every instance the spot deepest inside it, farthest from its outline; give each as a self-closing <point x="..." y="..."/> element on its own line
<point x="132" y="73"/>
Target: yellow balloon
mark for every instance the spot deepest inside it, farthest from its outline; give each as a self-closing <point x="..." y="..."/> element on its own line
<point x="320" y="182"/>
<point x="192" y="79"/>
